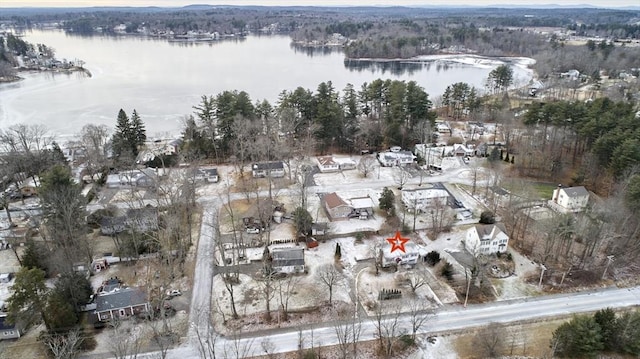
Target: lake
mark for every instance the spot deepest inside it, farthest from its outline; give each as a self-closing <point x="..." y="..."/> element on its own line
<point x="162" y="80"/>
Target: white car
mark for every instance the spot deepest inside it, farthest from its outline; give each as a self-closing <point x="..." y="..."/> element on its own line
<point x="253" y="230"/>
<point x="173" y="293"/>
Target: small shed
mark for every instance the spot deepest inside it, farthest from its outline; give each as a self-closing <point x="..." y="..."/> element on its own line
<point x="319" y="229"/>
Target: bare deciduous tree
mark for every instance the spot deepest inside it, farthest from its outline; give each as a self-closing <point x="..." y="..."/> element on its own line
<point x="126" y="343"/>
<point x="329" y="275"/>
<point x="238" y="347"/>
<point x="285" y="291"/>
<point x="366" y="165"/>
<point x="401" y="176"/>
<point x="419" y="314"/>
<point x="64" y="346"/>
<point x="489" y="340"/>
<point x="94" y="139"/>
<point x="206" y="339"/>
<point x="347" y="330"/>
<point x="416" y="279"/>
<point x="267" y="286"/>
<point x="386" y="320"/>
<point x="268" y="348"/>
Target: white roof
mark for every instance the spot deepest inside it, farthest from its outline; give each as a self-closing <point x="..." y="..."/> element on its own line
<point x="363" y="202"/>
<point x="424" y="193"/>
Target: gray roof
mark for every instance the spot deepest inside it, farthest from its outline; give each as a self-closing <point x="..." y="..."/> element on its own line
<point x="209" y="171"/>
<point x="122" y="298"/>
<point x="4" y="325"/>
<point x="579" y="191"/>
<point x="287" y="257"/>
<point x="486" y="229"/>
<point x="268" y="165"/>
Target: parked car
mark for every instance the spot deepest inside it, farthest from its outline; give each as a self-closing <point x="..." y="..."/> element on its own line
<point x="253" y="230"/>
<point x="174" y="293"/>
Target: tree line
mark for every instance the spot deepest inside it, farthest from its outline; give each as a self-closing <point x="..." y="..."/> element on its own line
<point x="12" y="46"/>
<point x="586" y="136"/>
<point x="378" y="114"/>
<point x="603" y="332"/>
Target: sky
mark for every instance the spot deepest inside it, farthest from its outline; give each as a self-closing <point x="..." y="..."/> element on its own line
<point x="173" y="3"/>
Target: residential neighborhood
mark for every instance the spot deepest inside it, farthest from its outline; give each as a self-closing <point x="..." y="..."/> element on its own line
<point x="424" y="182"/>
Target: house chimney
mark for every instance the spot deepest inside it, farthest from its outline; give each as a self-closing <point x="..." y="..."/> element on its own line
<point x="556" y="193"/>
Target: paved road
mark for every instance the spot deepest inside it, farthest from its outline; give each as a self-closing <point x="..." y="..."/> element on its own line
<point x="446" y="319"/>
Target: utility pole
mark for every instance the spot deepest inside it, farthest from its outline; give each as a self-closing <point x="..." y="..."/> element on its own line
<point x="542" y="269"/>
<point x="466" y="296"/>
<point x="609" y="260"/>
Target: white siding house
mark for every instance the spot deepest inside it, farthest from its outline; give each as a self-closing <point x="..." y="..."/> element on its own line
<point x="409" y="256"/>
<point x="571" y="199"/>
<point x="327" y="164"/>
<point x="486" y="239"/>
<point x="421" y="198"/>
<point x="271" y="169"/>
<point x="400" y="158"/>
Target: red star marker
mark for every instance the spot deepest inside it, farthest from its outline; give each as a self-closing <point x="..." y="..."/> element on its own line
<point x="397" y="242"/>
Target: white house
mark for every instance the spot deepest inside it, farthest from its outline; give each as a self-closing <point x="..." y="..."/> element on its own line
<point x="145" y="177"/>
<point x="400" y="158"/>
<point x="362" y="206"/>
<point x="571" y="75"/>
<point x="570" y="199"/>
<point x="172" y="147"/>
<point x="443" y="127"/>
<point x="460" y="150"/>
<point x="209" y="175"/>
<point x="486" y="239"/>
<point x="327" y="164"/>
<point x="345" y="163"/>
<point x="271" y="169"/>
<point x="409" y="256"/>
<point x="421" y="198"/>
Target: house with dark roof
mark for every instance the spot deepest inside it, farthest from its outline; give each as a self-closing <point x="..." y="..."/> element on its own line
<point x="121" y="303"/>
<point x="268" y="169"/>
<point x="486" y="239"/>
<point x="207" y="174"/>
<point x="9" y="331"/>
<point x="569" y="199"/>
<point x="134" y="219"/>
<point x="287" y="260"/>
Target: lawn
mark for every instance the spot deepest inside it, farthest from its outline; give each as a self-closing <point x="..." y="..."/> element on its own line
<point x="544" y="190"/>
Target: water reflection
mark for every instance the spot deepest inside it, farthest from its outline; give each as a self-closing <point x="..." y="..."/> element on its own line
<point x="396" y="68"/>
<point x="312" y="51"/>
<point x="400" y="67"/>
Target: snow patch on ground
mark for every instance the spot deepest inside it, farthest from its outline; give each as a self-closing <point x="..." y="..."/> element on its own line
<point x="442" y="348"/>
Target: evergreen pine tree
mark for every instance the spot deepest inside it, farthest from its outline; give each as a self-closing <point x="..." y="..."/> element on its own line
<point x="120" y="141"/>
<point x="506" y="158"/>
<point x="512" y="157"/>
<point x="137" y="132"/>
<point x="338" y="253"/>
